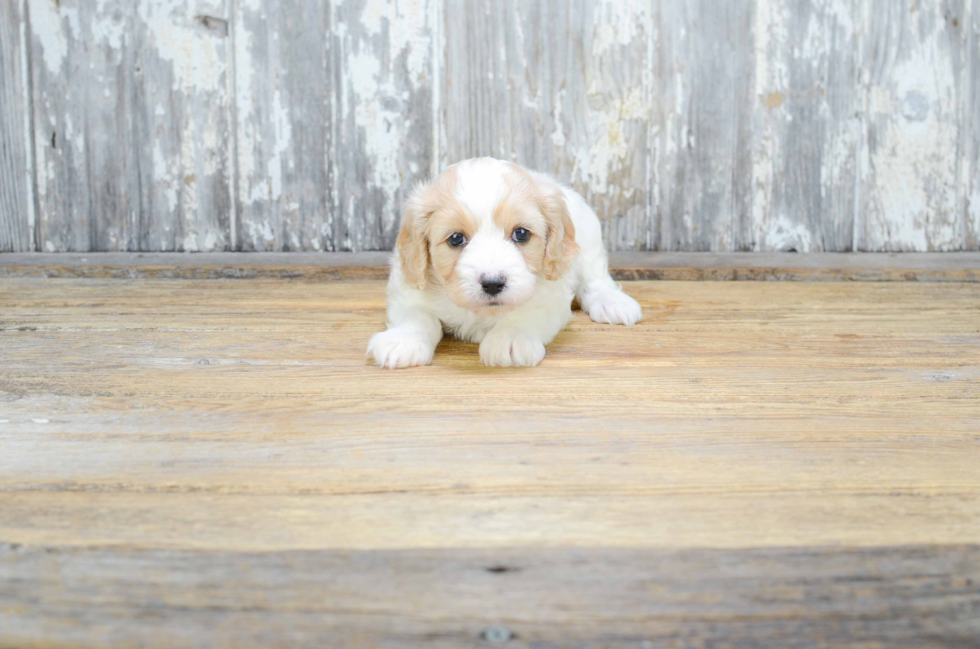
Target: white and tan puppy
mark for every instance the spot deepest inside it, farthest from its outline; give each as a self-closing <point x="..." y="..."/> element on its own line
<point x="493" y="253"/>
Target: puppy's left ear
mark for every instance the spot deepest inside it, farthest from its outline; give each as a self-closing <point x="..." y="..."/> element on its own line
<point x="560" y="247"/>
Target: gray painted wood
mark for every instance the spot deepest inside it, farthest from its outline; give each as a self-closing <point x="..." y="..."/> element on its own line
<point x="334" y="120"/>
<point x="284" y="126"/>
<point x="911" y="55"/>
<point x="970" y="171"/>
<point x="283" y="130"/>
<point x="330" y="266"/>
<point x="706" y="88"/>
<point x="132" y="125"/>
<point x="546" y="598"/>
<point x="84" y="125"/>
<point x="183" y="105"/>
<point x="16" y="200"/>
<point x="806" y="127"/>
<point x="563" y="87"/>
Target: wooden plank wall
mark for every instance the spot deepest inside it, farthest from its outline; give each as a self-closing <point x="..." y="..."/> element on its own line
<point x="16" y="202"/>
<point x="205" y="125"/>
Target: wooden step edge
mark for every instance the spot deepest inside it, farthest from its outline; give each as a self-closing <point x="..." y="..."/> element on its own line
<point x="625" y="266"/>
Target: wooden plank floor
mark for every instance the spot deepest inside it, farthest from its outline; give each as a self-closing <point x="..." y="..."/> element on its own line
<point x="212" y="463"/>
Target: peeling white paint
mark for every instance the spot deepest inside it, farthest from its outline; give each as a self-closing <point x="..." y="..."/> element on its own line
<point x="164" y="175"/>
<point x="282" y="134"/>
<point x="373" y="88"/>
<point x="558" y="135"/>
<point x="197" y="61"/>
<point x="608" y="147"/>
<point x="77" y="140"/>
<point x="771" y="84"/>
<point x="246" y="142"/>
<point x="107" y="28"/>
<point x="783" y="235"/>
<point x="911" y="173"/>
<point x="618" y="23"/>
<point x="30" y="161"/>
<point x="47" y="24"/>
<point x="914" y="192"/>
<point x="434" y="24"/>
<point x="259" y="232"/>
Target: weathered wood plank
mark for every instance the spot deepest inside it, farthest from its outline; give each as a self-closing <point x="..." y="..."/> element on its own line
<point x="131" y="125"/>
<point x="85" y="125"/>
<point x="210" y="463"/>
<point x="183" y="115"/>
<point x="284" y="116"/>
<point x="806" y="135"/>
<point x="922" y="267"/>
<point x="911" y="57"/>
<point x="335" y="120"/>
<point x="769" y="125"/>
<point x="384" y="58"/>
<point x="16" y="175"/>
<point x="970" y="169"/>
<point x="912" y="597"/>
<point x="154" y="414"/>
<point x="565" y="88"/>
<point x="706" y="81"/>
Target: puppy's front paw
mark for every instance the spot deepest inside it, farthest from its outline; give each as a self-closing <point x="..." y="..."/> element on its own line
<point x="615" y="307"/>
<point x="394" y="349"/>
<point x="511" y="348"/>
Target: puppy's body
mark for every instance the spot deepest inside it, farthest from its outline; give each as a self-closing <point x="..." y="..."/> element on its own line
<point x="510" y="295"/>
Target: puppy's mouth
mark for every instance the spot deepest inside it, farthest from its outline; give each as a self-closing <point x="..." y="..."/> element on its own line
<point x="492" y="307"/>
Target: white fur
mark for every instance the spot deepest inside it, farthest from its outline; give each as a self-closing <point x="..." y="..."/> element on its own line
<point x="530" y="311"/>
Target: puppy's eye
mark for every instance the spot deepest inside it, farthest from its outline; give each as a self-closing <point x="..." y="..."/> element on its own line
<point x="520" y="235"/>
<point x="456" y="240"/>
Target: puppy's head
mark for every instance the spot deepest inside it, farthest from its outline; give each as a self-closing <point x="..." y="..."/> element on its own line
<point x="486" y="231"/>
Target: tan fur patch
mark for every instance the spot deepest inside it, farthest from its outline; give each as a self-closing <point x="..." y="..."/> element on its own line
<point x="557" y="247"/>
<point x="425" y="209"/>
<point x="519" y="209"/>
<point x="442" y="224"/>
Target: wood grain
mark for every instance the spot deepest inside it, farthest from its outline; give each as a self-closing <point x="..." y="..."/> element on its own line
<point x="566" y="88"/>
<point x="705" y="84"/>
<point x="16" y="176"/>
<point x="770" y="125"/>
<point x="86" y="143"/>
<point x="284" y="125"/>
<point x="826" y="413"/>
<point x="970" y="146"/>
<point x="819" y="267"/>
<point x="912" y="53"/>
<point x="335" y="104"/>
<point x="131" y="125"/>
<point x="813" y="597"/>
<point x="213" y="463"/>
<point x="806" y="140"/>
<point x="184" y="120"/>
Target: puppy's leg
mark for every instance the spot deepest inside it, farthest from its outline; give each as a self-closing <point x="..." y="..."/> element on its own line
<point x="601" y="297"/>
<point x="518" y="338"/>
<point x="410" y="339"/>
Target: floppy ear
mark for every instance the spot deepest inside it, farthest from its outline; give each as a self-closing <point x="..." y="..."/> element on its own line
<point x="413" y="246"/>
<point x="560" y="247"/>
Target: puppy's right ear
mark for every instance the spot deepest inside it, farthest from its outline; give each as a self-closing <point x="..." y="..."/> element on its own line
<point x="413" y="245"/>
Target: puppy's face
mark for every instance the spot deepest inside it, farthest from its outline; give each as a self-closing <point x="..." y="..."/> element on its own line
<point x="486" y="232"/>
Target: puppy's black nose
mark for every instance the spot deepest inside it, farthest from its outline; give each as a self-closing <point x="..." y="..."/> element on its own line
<point x="492" y="285"/>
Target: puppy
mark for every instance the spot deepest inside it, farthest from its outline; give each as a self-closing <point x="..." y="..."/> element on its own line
<point x="493" y="254"/>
